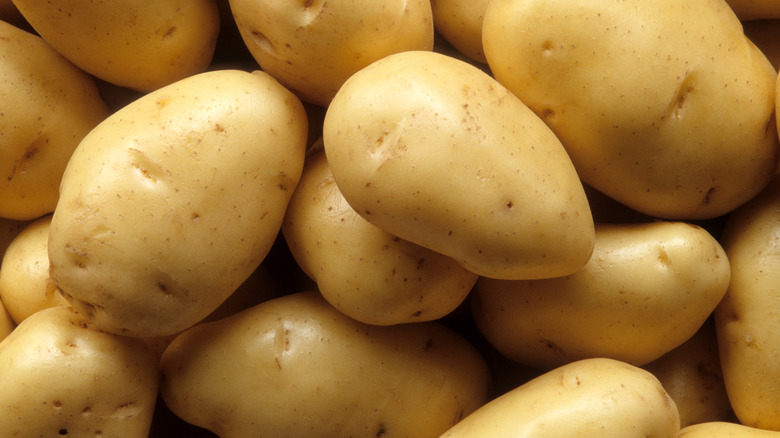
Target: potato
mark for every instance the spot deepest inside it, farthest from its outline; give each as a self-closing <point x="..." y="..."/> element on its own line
<point x="61" y="376"/>
<point x="724" y="429"/>
<point x="172" y="202"/>
<point x="460" y="23"/>
<point x="312" y="47"/>
<point x="131" y="43"/>
<point x="667" y="109"/>
<point x="596" y="397"/>
<point x="746" y="319"/>
<point x="24" y="273"/>
<point x="295" y="366"/>
<point x="49" y="106"/>
<point x="366" y="273"/>
<point x="433" y="150"/>
<point x="755" y="9"/>
<point x="692" y="376"/>
<point x="647" y="289"/>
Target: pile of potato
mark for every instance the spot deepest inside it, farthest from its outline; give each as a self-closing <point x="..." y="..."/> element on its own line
<point x="386" y="218"/>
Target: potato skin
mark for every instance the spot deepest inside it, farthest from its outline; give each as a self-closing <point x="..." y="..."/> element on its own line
<point x="433" y="150"/>
<point x="63" y="377"/>
<point x="646" y="289"/>
<point x="667" y="109"/>
<point x="131" y="43"/>
<point x="294" y="366"/>
<point x="595" y="397"/>
<point x="460" y="23"/>
<point x="725" y="429"/>
<point x="172" y="202"/>
<point x="746" y="318"/>
<point x="55" y="105"/>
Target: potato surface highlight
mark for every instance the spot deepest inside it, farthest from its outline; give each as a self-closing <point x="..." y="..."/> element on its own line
<point x="433" y="150"/>
<point x="295" y="366"/>
<point x="668" y="109"/>
<point x="171" y="203"/>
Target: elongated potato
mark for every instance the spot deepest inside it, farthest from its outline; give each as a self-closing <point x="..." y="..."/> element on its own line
<point x="725" y="429"/>
<point x="435" y="151"/>
<point x="746" y="319"/>
<point x="668" y="109"/>
<point x="589" y="398"/>
<point x="49" y="105"/>
<point x="61" y="376"/>
<point x="172" y="202"/>
<point x="295" y="366"/>
<point x="646" y="289"/>
<point x="366" y="273"/>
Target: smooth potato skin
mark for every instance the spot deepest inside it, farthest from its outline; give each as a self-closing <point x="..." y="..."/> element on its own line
<point x="54" y="105"/>
<point x="433" y="150"/>
<point x="632" y="94"/>
<point x="172" y="202"/>
<point x="460" y="23"/>
<point x="646" y="289"/>
<point x="724" y="429"/>
<point x="746" y="319"/>
<point x="63" y="377"/>
<point x="131" y="43"/>
<point x="589" y="398"/>
<point x="294" y="366"/>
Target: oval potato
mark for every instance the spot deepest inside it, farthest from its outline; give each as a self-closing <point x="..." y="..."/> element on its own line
<point x="646" y="289"/>
<point x="460" y="23"/>
<point x="172" y="202"/>
<point x="668" y="109"/>
<point x="295" y="366"/>
<point x="593" y="398"/>
<point x="435" y="151"/>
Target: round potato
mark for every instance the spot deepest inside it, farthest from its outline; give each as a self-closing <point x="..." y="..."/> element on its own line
<point x="723" y="429"/>
<point x="746" y="319"/>
<point x="312" y="47"/>
<point x="136" y="44"/>
<point x="460" y="23"/>
<point x="49" y="106"/>
<point x="172" y="202"/>
<point x="295" y="366"/>
<point x="62" y="377"/>
<point x="593" y="398"/>
<point x="433" y="150"/>
<point x="647" y="289"/>
<point x="24" y="273"/>
<point x="668" y="109"/>
<point x="366" y="273"/>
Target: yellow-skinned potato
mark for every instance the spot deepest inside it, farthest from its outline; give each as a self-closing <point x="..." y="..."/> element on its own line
<point x="295" y="366"/>
<point x="435" y="151"/>
<point x="63" y="377"/>
<point x="755" y="9"/>
<point x="24" y="273"/>
<point x="692" y="376"/>
<point x="172" y="202"/>
<point x="49" y="106"/>
<point x="366" y="273"/>
<point x="131" y="43"/>
<point x="592" y="398"/>
<point x="746" y="319"/>
<point x="647" y="289"/>
<point x="460" y="23"/>
<point x="312" y="47"/>
<point x="725" y="429"/>
<point x="667" y="109"/>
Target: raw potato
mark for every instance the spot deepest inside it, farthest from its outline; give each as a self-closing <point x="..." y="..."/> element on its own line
<point x="724" y="429"/>
<point x="366" y="273"/>
<point x="63" y="377"/>
<point x="312" y="47"/>
<point x="460" y="23"/>
<point x="692" y="376"/>
<point x="747" y="317"/>
<point x="173" y="201"/>
<point x="131" y="43"/>
<point x="435" y="151"/>
<point x="667" y="109"/>
<point x="24" y="273"/>
<point x="647" y="289"/>
<point x="589" y="398"/>
<point x="54" y="105"/>
<point x="295" y="366"/>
